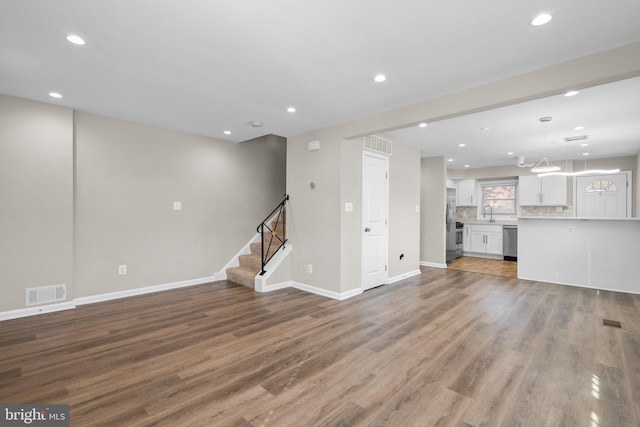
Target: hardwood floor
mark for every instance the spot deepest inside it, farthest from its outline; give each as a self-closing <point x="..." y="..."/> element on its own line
<point x="494" y="267"/>
<point x="446" y="348"/>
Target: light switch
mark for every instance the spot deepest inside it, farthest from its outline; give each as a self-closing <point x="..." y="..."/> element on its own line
<point x="348" y="207"/>
<point x="177" y="206"/>
<point x="417" y="208"/>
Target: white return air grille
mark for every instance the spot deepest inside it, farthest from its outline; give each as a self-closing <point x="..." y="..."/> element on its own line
<point x="45" y="294"/>
<point x="378" y="144"/>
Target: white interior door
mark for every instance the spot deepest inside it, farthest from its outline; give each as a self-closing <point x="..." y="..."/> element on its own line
<point x="375" y="212"/>
<point x="602" y="196"/>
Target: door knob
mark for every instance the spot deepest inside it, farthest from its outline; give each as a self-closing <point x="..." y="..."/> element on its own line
<point x="367" y="229"/>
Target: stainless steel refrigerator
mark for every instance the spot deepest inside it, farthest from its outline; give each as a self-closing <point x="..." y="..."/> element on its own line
<point x="454" y="249"/>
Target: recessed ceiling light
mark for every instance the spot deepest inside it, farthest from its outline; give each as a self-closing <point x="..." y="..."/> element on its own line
<point x="422" y="125"/>
<point x="55" y="95"/>
<point x="466" y="166"/>
<point x="256" y="124"/>
<point x="578" y="128"/>
<point x="75" y="39"/>
<point x="227" y="132"/>
<point x="380" y="78"/>
<point x="584" y="144"/>
<point x="486" y="128"/>
<point x="510" y="153"/>
<point x="585" y="154"/>
<point x="449" y="160"/>
<point x="291" y="109"/>
<point x="541" y="19"/>
<point x="571" y="93"/>
<point x="462" y="145"/>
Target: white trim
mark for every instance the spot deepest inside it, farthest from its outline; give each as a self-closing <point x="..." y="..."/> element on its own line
<point x="595" y="288"/>
<point x="432" y="264"/>
<point x="260" y="282"/>
<point x="404" y="276"/>
<point x="233" y="262"/>
<point x="325" y="293"/>
<point x="33" y="311"/>
<point x="141" y="291"/>
<point x="312" y="289"/>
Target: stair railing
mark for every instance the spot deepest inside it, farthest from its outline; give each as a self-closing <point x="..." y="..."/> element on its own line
<point x="273" y="229"/>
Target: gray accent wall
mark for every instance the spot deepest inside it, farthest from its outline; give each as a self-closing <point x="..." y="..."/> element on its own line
<point x="129" y="175"/>
<point x="327" y="237"/>
<point x="36" y="198"/>
<point x="433" y="202"/>
<point x="124" y="181"/>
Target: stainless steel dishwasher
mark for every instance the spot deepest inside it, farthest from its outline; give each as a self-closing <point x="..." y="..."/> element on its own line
<point x="510" y="242"/>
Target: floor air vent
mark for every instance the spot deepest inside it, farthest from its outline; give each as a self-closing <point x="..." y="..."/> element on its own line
<point x="378" y="144"/>
<point x="45" y="294"/>
<point x="612" y="323"/>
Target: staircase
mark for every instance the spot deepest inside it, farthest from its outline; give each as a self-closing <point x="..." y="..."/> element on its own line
<point x="273" y="238"/>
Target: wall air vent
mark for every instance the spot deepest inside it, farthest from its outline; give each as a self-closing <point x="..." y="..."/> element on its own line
<point x="378" y="144"/>
<point x="45" y="294"/>
<point x="576" y="138"/>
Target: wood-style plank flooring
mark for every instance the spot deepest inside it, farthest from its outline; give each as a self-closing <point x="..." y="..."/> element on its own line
<point x="494" y="267"/>
<point x="445" y="348"/>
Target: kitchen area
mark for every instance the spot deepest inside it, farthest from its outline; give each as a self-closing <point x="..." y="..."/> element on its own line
<point x="482" y="218"/>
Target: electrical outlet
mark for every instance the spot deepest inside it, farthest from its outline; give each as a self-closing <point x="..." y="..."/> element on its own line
<point x="558" y="209"/>
<point x="571" y="229"/>
<point x="310" y="268"/>
<point x="122" y="270"/>
<point x="177" y="206"/>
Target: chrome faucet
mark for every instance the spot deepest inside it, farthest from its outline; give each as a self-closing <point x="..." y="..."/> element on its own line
<point x="484" y="213"/>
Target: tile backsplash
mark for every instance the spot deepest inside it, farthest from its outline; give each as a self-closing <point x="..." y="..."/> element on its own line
<point x="470" y="212"/>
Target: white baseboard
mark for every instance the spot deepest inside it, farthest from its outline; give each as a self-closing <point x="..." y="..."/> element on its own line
<point x="141" y="291"/>
<point x="403" y="276"/>
<point x="33" y="311"/>
<point x="314" y="290"/>
<point x="432" y="264"/>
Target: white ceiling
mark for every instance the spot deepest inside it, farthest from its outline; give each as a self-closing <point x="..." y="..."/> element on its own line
<point x="610" y="115"/>
<point x="205" y="66"/>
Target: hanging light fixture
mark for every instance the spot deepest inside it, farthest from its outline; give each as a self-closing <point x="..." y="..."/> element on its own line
<point x="544" y="165"/>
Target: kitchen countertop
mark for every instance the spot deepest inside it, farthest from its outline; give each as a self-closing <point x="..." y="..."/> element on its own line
<point x="575" y="218"/>
<point x="475" y="221"/>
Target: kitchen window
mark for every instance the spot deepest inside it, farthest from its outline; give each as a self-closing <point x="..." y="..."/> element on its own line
<point x="501" y="196"/>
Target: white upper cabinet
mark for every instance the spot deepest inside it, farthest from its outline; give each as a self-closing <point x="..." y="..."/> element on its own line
<point x="543" y="191"/>
<point x="466" y="195"/>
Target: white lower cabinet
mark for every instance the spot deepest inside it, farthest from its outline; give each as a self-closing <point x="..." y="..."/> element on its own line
<point x="485" y="239"/>
<point x="466" y="238"/>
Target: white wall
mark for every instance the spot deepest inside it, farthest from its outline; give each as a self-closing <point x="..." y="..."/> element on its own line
<point x="594" y="253"/>
<point x="36" y="193"/>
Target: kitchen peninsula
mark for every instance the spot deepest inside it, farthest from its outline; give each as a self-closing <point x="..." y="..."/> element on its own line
<point x="588" y="252"/>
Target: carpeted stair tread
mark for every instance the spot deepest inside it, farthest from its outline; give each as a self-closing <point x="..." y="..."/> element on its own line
<point x="242" y="276"/>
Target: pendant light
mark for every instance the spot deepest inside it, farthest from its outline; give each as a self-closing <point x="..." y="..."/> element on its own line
<point x="544" y="165"/>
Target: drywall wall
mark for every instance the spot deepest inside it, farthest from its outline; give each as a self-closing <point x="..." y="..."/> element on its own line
<point x="636" y="187"/>
<point x="129" y="176"/>
<point x="36" y="189"/>
<point x="404" y="210"/>
<point x="313" y="221"/>
<point x="594" y="253"/>
<point x="404" y="220"/>
<point x="90" y="192"/>
<point x="433" y="199"/>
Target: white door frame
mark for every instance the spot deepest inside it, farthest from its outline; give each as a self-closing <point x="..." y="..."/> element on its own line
<point x="363" y="270"/>
<point x="629" y="190"/>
